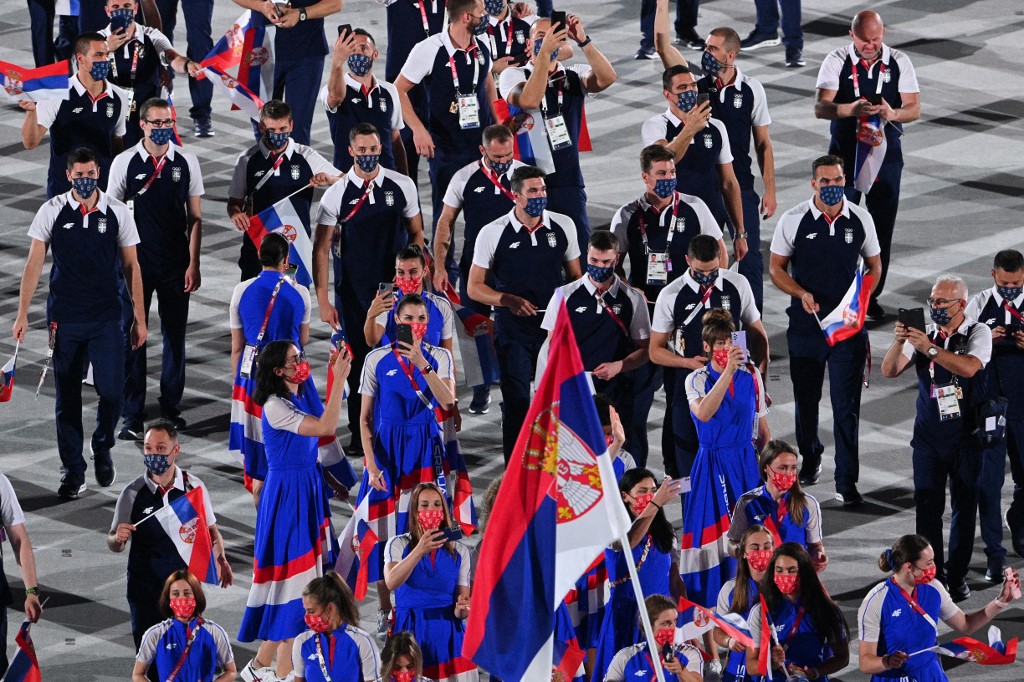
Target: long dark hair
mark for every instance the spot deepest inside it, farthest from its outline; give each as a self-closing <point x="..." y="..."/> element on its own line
<point x="825" y="615"/>
<point x="661" y="529"/>
<point x="331" y="589"/>
<point x="742" y="599"/>
<point x="415" y="531"/>
<point x="268" y="383"/>
<point x="797" y="503"/>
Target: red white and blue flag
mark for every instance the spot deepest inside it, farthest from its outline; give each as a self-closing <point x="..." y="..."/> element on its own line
<point x="7" y="389"/>
<point x="24" y="666"/>
<point x="239" y="95"/>
<point x="703" y="619"/>
<point x="847" y="319"/>
<point x="556" y="512"/>
<point x="184" y="521"/>
<point x="530" y="136"/>
<point x="993" y="653"/>
<point x="870" y="152"/>
<point x="227" y="53"/>
<point x="47" y="82"/>
<point x="256" y="68"/>
<point x="283" y="218"/>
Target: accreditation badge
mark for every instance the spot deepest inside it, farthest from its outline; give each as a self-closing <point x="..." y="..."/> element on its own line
<point x="469" y="111"/>
<point x="558" y="133"/>
<point x="657" y="268"/>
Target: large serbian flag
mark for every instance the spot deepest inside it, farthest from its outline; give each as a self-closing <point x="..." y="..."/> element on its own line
<point x="256" y="69"/>
<point x="184" y="521"/>
<point x="282" y="217"/>
<point x="47" y="82"/>
<point x="227" y="53"/>
<point x="236" y="92"/>
<point x="556" y="511"/>
<point x="848" y="317"/>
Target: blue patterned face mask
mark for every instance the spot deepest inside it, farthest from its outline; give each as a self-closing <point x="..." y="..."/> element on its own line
<point x="599" y="274"/>
<point x="665" y="187"/>
<point x="84" y="186"/>
<point x="359" y="64"/>
<point x="481" y="28"/>
<point x="535" y="206"/>
<point x="831" y="194"/>
<point x="276" y="140"/>
<point x="940" y="316"/>
<point x="709" y="64"/>
<point x="500" y="167"/>
<point x="161" y="136"/>
<point x="536" y="49"/>
<point x="367" y="162"/>
<point x="100" y="70"/>
<point x="156" y="464"/>
<point x="494" y="7"/>
<point x="121" y="19"/>
<point x="687" y="99"/>
<point x="705" y="279"/>
<point x="1009" y="293"/>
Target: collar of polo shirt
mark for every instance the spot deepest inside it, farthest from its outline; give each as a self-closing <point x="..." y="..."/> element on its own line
<point x="179" y="481"/>
<point x="80" y="88"/>
<point x="689" y="281"/>
<point x="141" y="149"/>
<point x="101" y="203"/>
<point x="883" y="58"/>
<point x="349" y="80"/>
<point x="613" y="289"/>
<point x="288" y="148"/>
<point x="358" y="181"/>
<point x="817" y="214"/>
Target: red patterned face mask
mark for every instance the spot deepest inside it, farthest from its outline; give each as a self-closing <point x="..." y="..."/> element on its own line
<point x="640" y="503"/>
<point x="183" y="607"/>
<point x="781" y="481"/>
<point x="409" y="286"/>
<point x="403" y="675"/>
<point x="759" y="559"/>
<point x="721" y="357"/>
<point x="317" y="623"/>
<point x="788" y="583"/>
<point x="927" y="575"/>
<point x="419" y="330"/>
<point x="302" y="371"/>
<point x="664" y="636"/>
<point x="430" y="519"/>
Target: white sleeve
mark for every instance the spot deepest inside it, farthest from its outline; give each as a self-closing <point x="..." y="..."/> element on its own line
<point x="572" y="251"/>
<point x="397" y="120"/>
<point x="121" y="127"/>
<point x="330" y="203"/>
<point x="754" y="623"/>
<point x="785" y="233"/>
<point x="510" y="78"/>
<point x="318" y="164"/>
<point x="640" y="325"/>
<point x="663" y="322"/>
<point x="420" y="61"/>
<point x="42" y="225"/>
<point x="368" y="381"/>
<point x="464" y="565"/>
<point x="617" y="669"/>
<point x="696" y="386"/>
<point x="828" y="74"/>
<point x="908" y="76"/>
<point x="234" y="318"/>
<point x="654" y="129"/>
<point x="738" y="520"/>
<point x="283" y="415"/>
<point x="147" y="647"/>
<point x="412" y="198"/>
<point x="324" y="94"/>
<point x="619" y="227"/>
<point x="724" y="596"/>
<point x="159" y="40"/>
<point x="369" y="656"/>
<point x="947" y="609"/>
<point x="395" y="549"/>
<point x="694" y="661"/>
<point x="454" y="196"/>
<point x="195" y="182"/>
<point x="725" y="156"/>
<point x="127" y="232"/>
<point x="117" y="175"/>
<point x="583" y="70"/>
<point x="304" y="293"/>
<point x="975" y="305"/>
<point x="444" y="362"/>
<point x="46" y="112"/>
<point x="870" y="247"/>
<point x="551" y="313"/>
<point x="223" y="643"/>
<point x="908" y="351"/>
<point x="123" y="508"/>
<point x="759" y="114"/>
<point x="486" y="244"/>
<point x="236" y="190"/>
<point x="813" y="531"/>
<point x="10" y="510"/>
<point x="869" y="615"/>
<point x="298" y="661"/>
<point x="749" y="313"/>
<point x="708" y="224"/>
<point x="762" y="404"/>
<point x="979" y="343"/>
<point x="447" y="319"/>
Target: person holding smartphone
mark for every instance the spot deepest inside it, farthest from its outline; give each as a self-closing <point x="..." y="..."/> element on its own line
<point x="681" y="662"/>
<point x="428" y="570"/>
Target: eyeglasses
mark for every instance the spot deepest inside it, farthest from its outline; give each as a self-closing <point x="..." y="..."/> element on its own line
<point x="165" y="123"/>
<point x="295" y="359"/>
<point x="936" y="302"/>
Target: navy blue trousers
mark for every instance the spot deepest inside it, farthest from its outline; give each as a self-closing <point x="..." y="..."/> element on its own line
<point x="883" y="202"/>
<point x="517" y="362"/>
<point x="199" y="38"/>
<point x="297" y="82"/>
<point x="752" y="265"/>
<point x="768" y="21"/>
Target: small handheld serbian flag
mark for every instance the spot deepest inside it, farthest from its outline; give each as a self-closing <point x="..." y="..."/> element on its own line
<point x="733" y="624"/>
<point x="184" y="521"/>
<point x="7" y="377"/>
<point x="282" y="217"/>
<point x="847" y="319"/>
<point x="46" y="82"/>
<point x="239" y="95"/>
<point x="227" y="53"/>
<point x="24" y="666"/>
<point x="993" y="653"/>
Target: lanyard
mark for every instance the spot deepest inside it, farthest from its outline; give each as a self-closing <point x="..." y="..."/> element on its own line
<point x="270" y="308"/>
<point x="796" y="625"/>
<point x="1013" y="311"/>
<point x="266" y="178"/>
<point x="918" y="609"/>
<point x="704" y="298"/>
<point x="408" y="370"/>
<point x="367" y="191"/>
<point x="320" y="655"/>
<point x="493" y="177"/>
<point x="671" y="228"/>
<point x="931" y="363"/>
<point x="152" y="178"/>
<point x="640" y="562"/>
<point x="856" y="76"/>
<point x="471" y="57"/>
<point x="508" y="39"/>
<point x="559" y="82"/>
<point x="423" y="14"/>
<point x="611" y="313"/>
<point x="190" y="637"/>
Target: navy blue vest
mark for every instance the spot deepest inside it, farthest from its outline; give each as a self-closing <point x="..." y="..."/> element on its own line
<point x="77" y="125"/>
<point x="598" y="336"/>
<point x="375" y="108"/>
<point x="405" y="29"/>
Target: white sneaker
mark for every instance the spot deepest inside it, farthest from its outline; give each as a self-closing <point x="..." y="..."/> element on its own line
<point x="383" y="624"/>
<point x="250" y="673"/>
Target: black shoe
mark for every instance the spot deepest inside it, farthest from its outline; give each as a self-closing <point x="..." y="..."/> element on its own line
<point x="875" y="312"/>
<point x="809" y="476"/>
<point x="994" y="572"/>
<point x="352" y="450"/>
<point x="204" y="128"/>
<point x="645" y="53"/>
<point x="69" y="489"/>
<point x="849" y="496"/>
<point x="130" y="430"/>
<point x="794" y="58"/>
<point x="959" y="591"/>
<point x="758" y="40"/>
<point x="177" y="421"/>
<point x="481" y="403"/>
<point x="103" y="467"/>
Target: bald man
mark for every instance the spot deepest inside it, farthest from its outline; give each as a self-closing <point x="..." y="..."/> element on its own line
<point x="869" y="91"/>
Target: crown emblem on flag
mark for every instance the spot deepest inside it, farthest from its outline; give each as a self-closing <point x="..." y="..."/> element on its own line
<point x="12" y="82"/>
<point x="228" y="81"/>
<point x="289" y="233"/>
<point x="553" y="448"/>
<point x="187" y="532"/>
<point x="259" y="56"/>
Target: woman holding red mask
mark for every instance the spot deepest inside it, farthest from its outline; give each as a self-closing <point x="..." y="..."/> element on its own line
<point x="739" y="595"/>
<point x="401" y="659"/>
<point x="333" y="649"/>
<point x="788" y="513"/>
<point x="655" y="554"/>
<point x="680" y="662"/>
<point x="429" y="575"/>
<point x="812" y="636"/>
<point x="406" y="393"/>
<point x="727" y="403"/>
<point x="167" y="643"/>
<point x="899" y="616"/>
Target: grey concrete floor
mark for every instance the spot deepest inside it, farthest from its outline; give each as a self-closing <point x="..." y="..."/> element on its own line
<point x="961" y="203"/>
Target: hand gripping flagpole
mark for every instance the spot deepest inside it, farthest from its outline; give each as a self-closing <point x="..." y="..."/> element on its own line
<point x="645" y="620"/>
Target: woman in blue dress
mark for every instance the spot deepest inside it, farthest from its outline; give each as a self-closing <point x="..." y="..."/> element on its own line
<point x="167" y="643"/>
<point x="812" y="638"/>
<point x="404" y="389"/>
<point x="333" y="649"/>
<point x="680" y="662"/>
<point x="294" y="540"/>
<point x="739" y="595"/>
<point x="653" y="544"/>
<point x="429" y="575"/>
<point x="789" y="514"/>
<point x="728" y="407"/>
<point x="899" y="616"/>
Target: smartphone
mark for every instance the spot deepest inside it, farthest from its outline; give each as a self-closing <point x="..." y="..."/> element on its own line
<point x="702" y="97"/>
<point x="291" y="270"/>
<point x="344" y="28"/>
<point x="452" y="533"/>
<point x="386" y="288"/>
<point x="559" y="18"/>
<point x="520" y="60"/>
<point x="280" y="6"/>
<point x="912" y="317"/>
<point x="404" y="333"/>
<point x="1011" y="329"/>
<point x="1009" y="575"/>
<point x="740" y="339"/>
<point x="874" y="98"/>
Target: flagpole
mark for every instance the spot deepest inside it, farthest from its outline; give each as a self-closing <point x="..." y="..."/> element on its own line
<point x="645" y="620"/>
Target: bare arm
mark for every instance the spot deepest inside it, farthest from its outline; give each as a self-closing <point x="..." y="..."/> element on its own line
<point x="602" y="74"/>
<point x="321" y="276"/>
<point x="661" y="355"/>
<point x="398" y="149"/>
<point x="237" y="346"/>
<point x="420" y="135"/>
<point x="492" y="95"/>
<point x="911" y="109"/>
<point x="778" y="269"/>
<point x="415" y="229"/>
<point x="31" y="132"/>
<point x="22" y="546"/>
<point x="757" y="343"/>
<point x="826" y="108"/>
<point x="705" y="408"/>
<point x="441" y="238"/>
<point x="670" y="56"/>
<point x="133" y="276"/>
<point x="193" y="278"/>
<point x="572" y="269"/>
<point x="766" y="162"/>
<point x="478" y="289"/>
<point x="227" y="576"/>
<point x="731" y="194"/>
<point x="29" y="282"/>
<point x="327" y="423"/>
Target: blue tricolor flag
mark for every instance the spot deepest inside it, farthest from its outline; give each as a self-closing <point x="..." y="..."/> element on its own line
<point x="967" y="649"/>
<point x="47" y="82"/>
<point x="239" y="95"/>
<point x="7" y="387"/>
<point x="556" y="511"/>
<point x="282" y="217"/>
<point x="227" y="53"/>
<point x="870" y="153"/>
<point x="847" y="318"/>
<point x="256" y="69"/>
<point x="24" y="666"/>
<point x="184" y="521"/>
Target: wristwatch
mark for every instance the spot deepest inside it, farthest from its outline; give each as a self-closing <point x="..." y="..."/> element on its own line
<point x="428" y="369"/>
<point x="739" y="235"/>
<point x="302" y="14"/>
<point x="933" y="351"/>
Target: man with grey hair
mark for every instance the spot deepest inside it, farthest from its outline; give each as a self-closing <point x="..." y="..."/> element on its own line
<point x="949" y="357"/>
